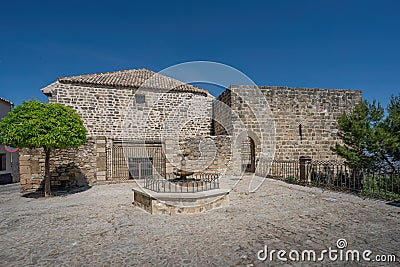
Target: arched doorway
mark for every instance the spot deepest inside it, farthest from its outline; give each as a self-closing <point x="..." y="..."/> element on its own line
<point x="248" y="155"/>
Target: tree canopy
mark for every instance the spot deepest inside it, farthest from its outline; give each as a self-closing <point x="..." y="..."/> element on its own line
<point x="370" y="137"/>
<point x="42" y="125"/>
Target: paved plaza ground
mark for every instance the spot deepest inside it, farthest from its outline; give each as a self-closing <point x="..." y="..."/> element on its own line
<point x="100" y="227"/>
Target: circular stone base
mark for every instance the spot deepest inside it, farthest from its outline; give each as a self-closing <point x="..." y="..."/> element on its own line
<point x="175" y="203"/>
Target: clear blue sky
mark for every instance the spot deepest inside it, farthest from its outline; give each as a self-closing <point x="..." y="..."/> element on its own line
<point x="308" y="43"/>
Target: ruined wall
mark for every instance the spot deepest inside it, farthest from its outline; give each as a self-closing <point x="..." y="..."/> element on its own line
<point x="69" y="167"/>
<point x="248" y="117"/>
<point x="210" y="154"/>
<point x="305" y="120"/>
<point x="222" y="114"/>
<point x="315" y="111"/>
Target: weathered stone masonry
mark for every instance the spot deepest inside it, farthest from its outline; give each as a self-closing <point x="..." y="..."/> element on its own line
<point x="302" y="122"/>
<point x="113" y="113"/>
<point x="305" y="118"/>
<point x="69" y="167"/>
<point x="212" y="151"/>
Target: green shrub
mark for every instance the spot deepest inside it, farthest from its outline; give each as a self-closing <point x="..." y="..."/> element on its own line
<point x="380" y="186"/>
<point x="291" y="180"/>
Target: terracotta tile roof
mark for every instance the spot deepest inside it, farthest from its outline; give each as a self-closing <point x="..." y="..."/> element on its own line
<point x="133" y="78"/>
<point x="7" y="101"/>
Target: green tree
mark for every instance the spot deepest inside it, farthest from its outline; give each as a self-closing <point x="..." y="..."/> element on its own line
<point x="42" y="125"/>
<point x="370" y="138"/>
<point x="392" y="125"/>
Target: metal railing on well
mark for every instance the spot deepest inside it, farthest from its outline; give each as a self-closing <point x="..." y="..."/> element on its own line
<point x="173" y="184"/>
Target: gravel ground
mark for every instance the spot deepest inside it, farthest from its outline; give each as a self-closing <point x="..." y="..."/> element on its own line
<point x="100" y="227"/>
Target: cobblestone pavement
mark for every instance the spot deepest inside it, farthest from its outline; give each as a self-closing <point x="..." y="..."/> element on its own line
<point x="100" y="227"/>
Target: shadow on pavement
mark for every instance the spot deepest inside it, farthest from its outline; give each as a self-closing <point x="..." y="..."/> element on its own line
<point x="58" y="192"/>
<point x="394" y="203"/>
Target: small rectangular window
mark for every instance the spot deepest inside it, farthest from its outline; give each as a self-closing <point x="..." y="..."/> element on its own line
<point x="140" y="99"/>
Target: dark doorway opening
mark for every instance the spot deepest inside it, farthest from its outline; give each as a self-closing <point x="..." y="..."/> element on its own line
<point x="248" y="155"/>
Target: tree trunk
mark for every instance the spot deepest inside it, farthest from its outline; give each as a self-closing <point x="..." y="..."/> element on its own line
<point x="47" y="190"/>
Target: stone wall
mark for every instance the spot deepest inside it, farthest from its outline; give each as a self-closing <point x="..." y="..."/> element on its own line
<point x="210" y="154"/>
<point x="304" y="121"/>
<point x="118" y="113"/>
<point x="222" y="114"/>
<point x="69" y="167"/>
<point x="284" y="123"/>
<point x="247" y="115"/>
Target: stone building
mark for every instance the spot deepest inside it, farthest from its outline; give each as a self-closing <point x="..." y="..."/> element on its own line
<point x="140" y="122"/>
<point x="130" y="113"/>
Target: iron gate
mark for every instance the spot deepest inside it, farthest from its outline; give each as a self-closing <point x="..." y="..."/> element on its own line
<point x="135" y="160"/>
<point x="140" y="167"/>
